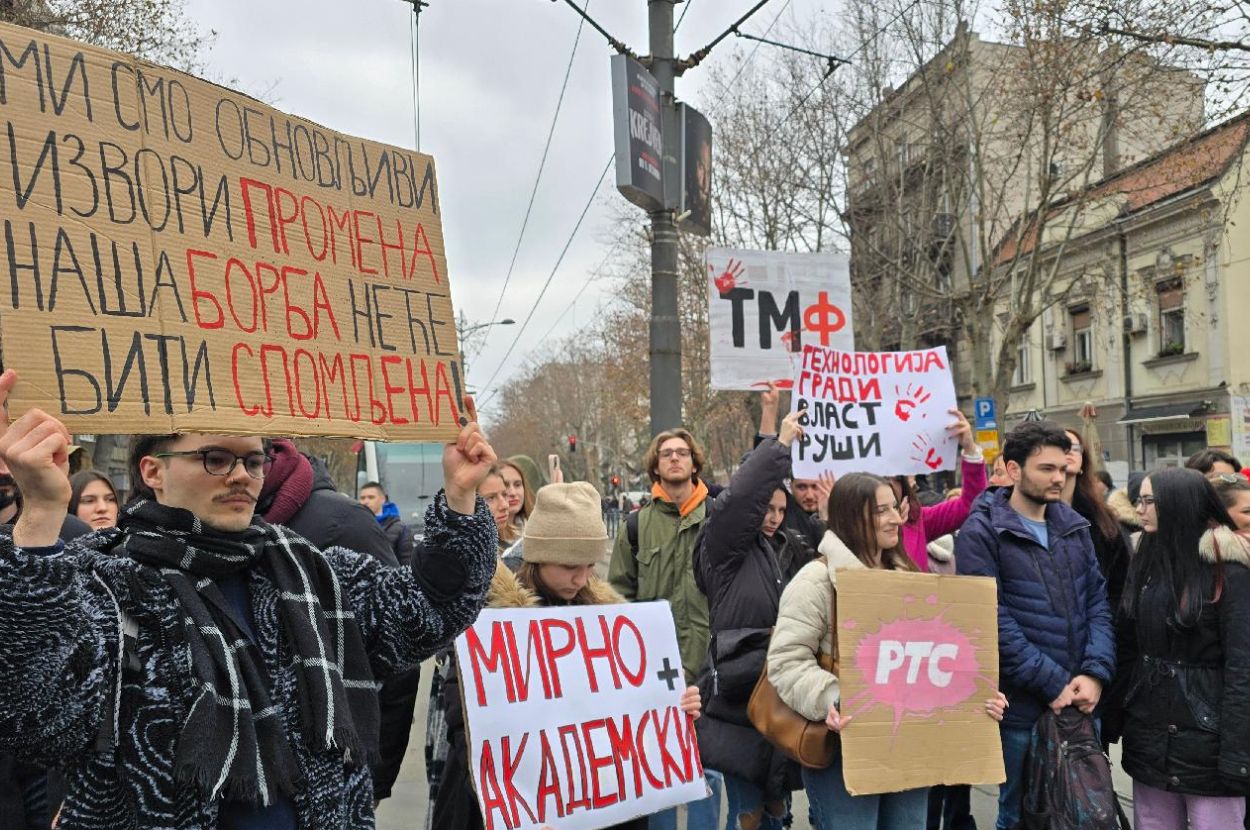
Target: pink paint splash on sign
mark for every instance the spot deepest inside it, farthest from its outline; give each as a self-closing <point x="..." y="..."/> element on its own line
<point x="917" y="666"/>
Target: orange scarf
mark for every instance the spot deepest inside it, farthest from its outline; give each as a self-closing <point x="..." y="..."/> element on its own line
<point x="697" y="497"/>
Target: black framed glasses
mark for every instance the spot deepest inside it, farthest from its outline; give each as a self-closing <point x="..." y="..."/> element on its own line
<point x="221" y="462"/>
<point x="1146" y="501"/>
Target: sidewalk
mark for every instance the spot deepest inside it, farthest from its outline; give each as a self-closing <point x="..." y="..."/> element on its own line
<point x="405" y="810"/>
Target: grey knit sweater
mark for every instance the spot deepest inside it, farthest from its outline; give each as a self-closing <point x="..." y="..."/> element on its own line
<point x="62" y="685"/>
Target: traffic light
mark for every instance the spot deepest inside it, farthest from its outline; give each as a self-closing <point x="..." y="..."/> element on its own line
<point x="572" y="443"/>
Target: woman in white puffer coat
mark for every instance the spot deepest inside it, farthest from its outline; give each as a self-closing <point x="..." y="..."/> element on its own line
<point x="864" y="525"/>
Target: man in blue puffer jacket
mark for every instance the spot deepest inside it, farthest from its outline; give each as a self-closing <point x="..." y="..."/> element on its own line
<point x="1055" y="641"/>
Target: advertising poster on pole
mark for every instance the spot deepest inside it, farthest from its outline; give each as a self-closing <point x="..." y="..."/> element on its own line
<point x="918" y="658"/>
<point x="573" y="718"/>
<point x="638" y="135"/>
<point x="181" y="257"/>
<point x="765" y="306"/>
<point x="874" y="412"/>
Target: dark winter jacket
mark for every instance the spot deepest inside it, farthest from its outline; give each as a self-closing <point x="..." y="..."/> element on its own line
<point x="798" y="521"/>
<point x="398" y="534"/>
<point x="743" y="572"/>
<point x="1054" y="621"/>
<point x="60" y="675"/>
<point x="1187" y="698"/>
<point x="330" y="519"/>
<point x="456" y="807"/>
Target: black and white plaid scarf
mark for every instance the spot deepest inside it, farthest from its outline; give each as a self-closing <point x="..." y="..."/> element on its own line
<point x="232" y="743"/>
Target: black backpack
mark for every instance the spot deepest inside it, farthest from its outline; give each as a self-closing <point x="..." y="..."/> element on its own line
<point x="1067" y="777"/>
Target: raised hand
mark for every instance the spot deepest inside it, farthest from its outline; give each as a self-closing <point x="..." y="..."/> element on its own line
<point x="824" y="486"/>
<point x="36" y="450"/>
<point x="961" y="430"/>
<point x="790" y="429"/>
<point x="466" y="463"/>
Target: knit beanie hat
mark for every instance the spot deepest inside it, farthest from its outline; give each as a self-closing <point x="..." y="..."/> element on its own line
<point x="566" y="527"/>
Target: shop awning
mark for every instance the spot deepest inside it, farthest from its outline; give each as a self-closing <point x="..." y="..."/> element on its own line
<point x="1167" y="412"/>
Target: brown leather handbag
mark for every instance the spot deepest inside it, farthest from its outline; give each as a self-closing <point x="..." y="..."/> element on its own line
<point x="810" y="742"/>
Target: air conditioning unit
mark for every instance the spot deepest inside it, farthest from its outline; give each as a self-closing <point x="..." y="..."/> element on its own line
<point x="1135" y="323"/>
<point x="1056" y="341"/>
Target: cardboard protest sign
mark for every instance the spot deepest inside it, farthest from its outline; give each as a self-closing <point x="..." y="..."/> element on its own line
<point x="874" y="412"/>
<point x="179" y="256"/>
<point x="918" y="660"/>
<point x="573" y="715"/>
<point x="765" y="306"/>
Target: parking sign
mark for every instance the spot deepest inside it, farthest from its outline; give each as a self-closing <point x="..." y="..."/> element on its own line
<point x="986" y="413"/>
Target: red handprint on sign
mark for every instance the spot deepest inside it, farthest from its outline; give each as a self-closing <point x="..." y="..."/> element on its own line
<point x="790" y="341"/>
<point x="728" y="279"/>
<point x="908" y="400"/>
<point x="926" y="454"/>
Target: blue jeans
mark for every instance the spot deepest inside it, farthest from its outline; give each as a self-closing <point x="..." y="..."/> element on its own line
<point x="1015" y="748"/>
<point x="744" y="797"/>
<point x="703" y="814"/>
<point x="836" y="809"/>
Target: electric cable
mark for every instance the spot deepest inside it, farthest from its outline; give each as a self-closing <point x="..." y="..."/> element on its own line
<point x="533" y="308"/>
<point x="542" y="164"/>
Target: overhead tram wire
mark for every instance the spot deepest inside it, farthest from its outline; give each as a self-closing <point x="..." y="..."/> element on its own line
<point x="806" y="96"/>
<point x="547" y="284"/>
<point x="542" y="164"/>
<point x="683" y="15"/>
<point x="620" y="47"/>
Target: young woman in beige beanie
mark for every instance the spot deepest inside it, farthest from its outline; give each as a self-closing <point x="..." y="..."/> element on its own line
<point x="563" y="540"/>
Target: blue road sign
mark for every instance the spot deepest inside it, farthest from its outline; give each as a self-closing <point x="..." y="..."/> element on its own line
<point x="986" y="413"/>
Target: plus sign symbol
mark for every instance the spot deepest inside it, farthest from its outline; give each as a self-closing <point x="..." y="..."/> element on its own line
<point x="823" y="318"/>
<point x="668" y="674"/>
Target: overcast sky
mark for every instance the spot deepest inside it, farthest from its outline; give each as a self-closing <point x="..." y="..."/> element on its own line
<point x="490" y="77"/>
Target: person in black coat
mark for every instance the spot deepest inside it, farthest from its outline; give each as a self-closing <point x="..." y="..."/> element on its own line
<point x="373" y="497"/>
<point x="1111" y="547"/>
<point x="1184" y="659"/>
<point x="744" y="561"/>
<point x="804" y="497"/>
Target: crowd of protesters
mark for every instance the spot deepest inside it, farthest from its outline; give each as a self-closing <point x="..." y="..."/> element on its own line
<point x="162" y="651"/>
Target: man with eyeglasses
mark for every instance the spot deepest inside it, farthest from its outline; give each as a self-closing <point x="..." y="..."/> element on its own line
<point x="199" y="667"/>
<point x="654" y="559"/>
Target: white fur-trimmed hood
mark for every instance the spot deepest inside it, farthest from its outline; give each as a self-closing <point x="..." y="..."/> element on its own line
<point x="1232" y="546"/>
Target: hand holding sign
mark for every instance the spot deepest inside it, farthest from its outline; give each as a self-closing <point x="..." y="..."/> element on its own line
<point x="466" y="463"/>
<point x="36" y="450"/>
<point x="835" y="721"/>
<point x="961" y="431"/>
<point x="790" y="429"/>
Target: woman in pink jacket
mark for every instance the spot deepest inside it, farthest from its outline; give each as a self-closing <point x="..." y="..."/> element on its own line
<point x="921" y="525"/>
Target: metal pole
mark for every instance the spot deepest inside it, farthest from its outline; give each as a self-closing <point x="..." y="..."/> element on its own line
<point x="665" y="351"/>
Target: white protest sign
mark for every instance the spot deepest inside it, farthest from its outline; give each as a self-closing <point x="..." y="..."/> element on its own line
<point x="764" y="306"/>
<point x="874" y="412"/>
<point x="573" y="718"/>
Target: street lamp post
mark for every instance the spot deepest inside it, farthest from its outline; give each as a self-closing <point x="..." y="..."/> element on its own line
<point x="464" y="329"/>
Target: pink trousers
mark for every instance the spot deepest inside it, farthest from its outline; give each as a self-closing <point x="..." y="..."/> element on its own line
<point x="1155" y="809"/>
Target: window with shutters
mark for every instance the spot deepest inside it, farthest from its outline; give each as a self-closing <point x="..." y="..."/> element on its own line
<point x="1082" y="339"/>
<point x="1171" y="317"/>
